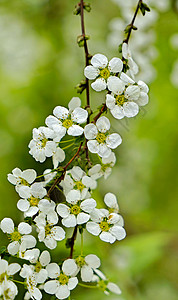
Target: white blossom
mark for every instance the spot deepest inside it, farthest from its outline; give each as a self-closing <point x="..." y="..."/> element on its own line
<point x="104" y="168"/>
<point x="28" y="273"/>
<point x="104" y="284"/>
<point x="47" y="232"/>
<point x="19" y="237"/>
<point x="86" y="266"/>
<point x="126" y="97"/>
<point x="22" y="178"/>
<point x="75" y="211"/>
<point x="109" y="226"/>
<point x="42" y="145"/>
<point x="126" y="53"/>
<point x="99" y="139"/>
<point x="67" y="120"/>
<point x="77" y="179"/>
<point x="8" y="290"/>
<point x="63" y="280"/>
<point x="101" y="70"/>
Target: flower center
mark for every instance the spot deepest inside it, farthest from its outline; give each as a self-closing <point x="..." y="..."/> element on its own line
<point x="43" y="142"/>
<point x="80" y="261"/>
<point x="15" y="236"/>
<point x="63" y="279"/>
<point x="101" y="138"/>
<point x="104" y="226"/>
<point x="79" y="185"/>
<point x="75" y="209"/>
<point x="48" y="228"/>
<point x="102" y="285"/>
<point x="38" y="267"/>
<point x="34" y="201"/>
<point x="2" y="277"/>
<point x="120" y="100"/>
<point x="23" y="181"/>
<point x="67" y="123"/>
<point x="105" y="73"/>
<point x="105" y="167"/>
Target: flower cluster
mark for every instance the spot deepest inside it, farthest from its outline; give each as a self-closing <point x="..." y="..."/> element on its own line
<point x="81" y="145"/>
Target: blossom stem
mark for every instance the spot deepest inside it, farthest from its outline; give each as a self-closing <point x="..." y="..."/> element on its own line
<point x="88" y="286"/>
<point x="18" y="281"/>
<point x="132" y="22"/>
<point x="100" y="113"/>
<point x="73" y="238"/>
<point x="68" y="146"/>
<point x="81" y="243"/>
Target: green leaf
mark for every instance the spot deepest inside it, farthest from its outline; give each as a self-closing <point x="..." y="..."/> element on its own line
<point x="144" y="7"/>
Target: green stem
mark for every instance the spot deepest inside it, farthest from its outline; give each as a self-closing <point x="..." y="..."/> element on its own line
<point x="82" y="244"/>
<point x="88" y="286"/>
<point x="68" y="146"/>
<point x="18" y="281"/>
<point x="67" y="141"/>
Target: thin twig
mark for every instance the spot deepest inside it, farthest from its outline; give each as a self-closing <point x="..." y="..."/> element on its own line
<point x="132" y="22"/>
<point x="73" y="238"/>
<point x="100" y="113"/>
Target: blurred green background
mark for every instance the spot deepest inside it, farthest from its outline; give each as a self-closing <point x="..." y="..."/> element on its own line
<point x="40" y="64"/>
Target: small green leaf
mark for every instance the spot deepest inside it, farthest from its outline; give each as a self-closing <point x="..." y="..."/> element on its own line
<point x="144" y="7"/>
<point x="2" y="249"/>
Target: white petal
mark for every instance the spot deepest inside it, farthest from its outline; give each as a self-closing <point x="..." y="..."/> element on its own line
<point x="74" y="102"/>
<point x="36" y="293"/>
<point x="115" y="65"/>
<point x="61" y="112"/>
<point x="82" y="218"/>
<point x="73" y="196"/>
<point x="110" y="200"/>
<point x="113" y="140"/>
<point x="7" y="225"/>
<point x="51" y="287"/>
<point x="131" y="109"/>
<point x="23" y="205"/>
<point x="107" y="237"/>
<point x="99" y="85"/>
<point x="29" y="241"/>
<point x="77" y="173"/>
<point x="86" y="273"/>
<point x="90" y="131"/>
<point x="12" y="179"/>
<point x="143" y="99"/>
<point x="58" y="233"/>
<point x="110" y="101"/>
<point x="143" y="86"/>
<point x="53" y="270"/>
<point x="32" y="255"/>
<point x="13" y="248"/>
<point x="93" y="261"/>
<point x="45" y="258"/>
<point x="118" y="232"/>
<point x="118" y="112"/>
<point x="3" y="266"/>
<point x="42" y="275"/>
<point x="89" y="182"/>
<point x="115" y="85"/>
<point x="88" y="205"/>
<point x="63" y="210"/>
<point x="25" y="192"/>
<point x="69" y="267"/>
<point x="103" y="124"/>
<point x="75" y="130"/>
<point x="126" y="79"/>
<point x="29" y="175"/>
<point x="91" y="72"/>
<point x="79" y="115"/>
<point x="62" y="292"/>
<point x="132" y="92"/>
<point x="24" y="228"/>
<point x="17" y="172"/>
<point x="13" y="269"/>
<point x="114" y="288"/>
<point x="104" y="150"/>
<point x="125" y="50"/>
<point x="50" y="242"/>
<point x="72" y="283"/>
<point x="93" y="146"/>
<point x="51" y="121"/>
<point x="59" y="156"/>
<point x="70" y="221"/>
<point x="93" y="228"/>
<point x="99" y="60"/>
<point x="31" y="211"/>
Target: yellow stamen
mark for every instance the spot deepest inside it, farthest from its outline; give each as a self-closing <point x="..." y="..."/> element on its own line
<point x="105" y="73"/>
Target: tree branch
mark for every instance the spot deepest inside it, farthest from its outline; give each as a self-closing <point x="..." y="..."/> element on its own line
<point x="132" y="22"/>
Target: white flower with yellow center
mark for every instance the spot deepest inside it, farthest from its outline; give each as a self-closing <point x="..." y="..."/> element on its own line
<point x="101" y="70"/>
<point x="111" y="201"/>
<point x="28" y="273"/>
<point x="31" y="202"/>
<point x="42" y="144"/>
<point x="86" y="265"/>
<point x="8" y="289"/>
<point x="126" y="97"/>
<point x="77" y="179"/>
<point x="40" y="263"/>
<point x="104" y="168"/>
<point x="47" y="232"/>
<point x="109" y="226"/>
<point x="99" y="139"/>
<point x="67" y="120"/>
<point x="19" y="237"/>
<point x="63" y="280"/>
<point x="104" y="284"/>
<point x="22" y="178"/>
<point x="75" y="211"/>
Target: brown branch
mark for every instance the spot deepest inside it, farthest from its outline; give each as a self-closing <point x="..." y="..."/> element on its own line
<point x="73" y="238"/>
<point x="132" y="22"/>
<point x="100" y="113"/>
